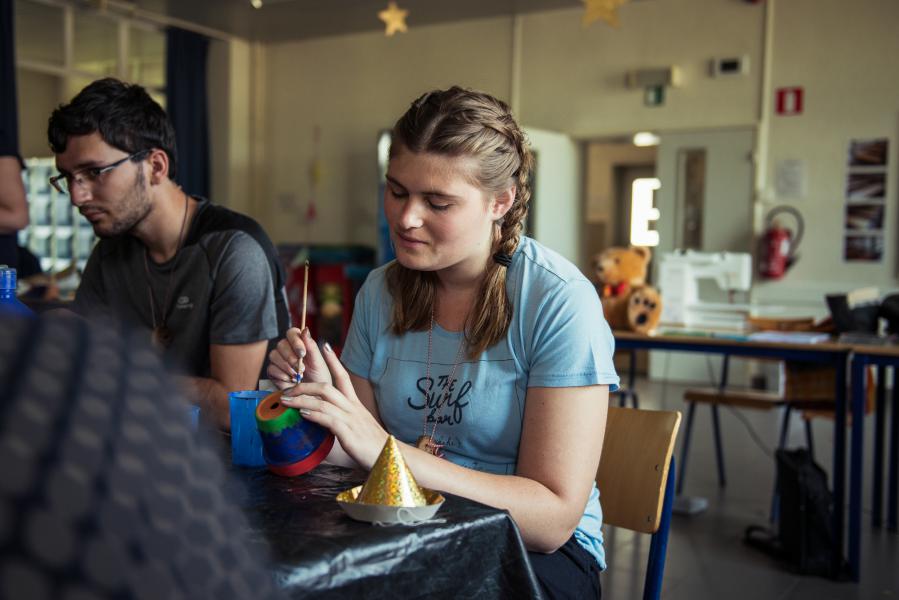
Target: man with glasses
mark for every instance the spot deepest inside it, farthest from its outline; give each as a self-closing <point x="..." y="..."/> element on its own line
<point x="203" y="281"/>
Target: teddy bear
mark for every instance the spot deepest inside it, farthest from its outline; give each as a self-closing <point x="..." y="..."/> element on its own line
<point x="627" y="302"/>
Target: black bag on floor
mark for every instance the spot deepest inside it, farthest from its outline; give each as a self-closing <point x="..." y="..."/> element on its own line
<point x="805" y="536"/>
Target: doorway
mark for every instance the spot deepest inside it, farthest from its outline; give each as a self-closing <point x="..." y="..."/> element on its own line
<point x="611" y="165"/>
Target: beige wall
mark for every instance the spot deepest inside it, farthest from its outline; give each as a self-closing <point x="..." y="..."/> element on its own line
<point x="232" y="125"/>
<point x="573" y="77"/>
<point x="845" y="58"/>
<point x="571" y="81"/>
<point x="352" y="87"/>
<point x="38" y="94"/>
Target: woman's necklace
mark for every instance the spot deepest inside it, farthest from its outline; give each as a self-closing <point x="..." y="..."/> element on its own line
<point x="162" y="336"/>
<point x="426" y="441"/>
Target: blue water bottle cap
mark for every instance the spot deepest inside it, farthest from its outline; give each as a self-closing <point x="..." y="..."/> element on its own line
<point x="7" y="278"/>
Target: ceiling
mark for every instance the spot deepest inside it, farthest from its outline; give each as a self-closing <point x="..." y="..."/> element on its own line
<point x="280" y="20"/>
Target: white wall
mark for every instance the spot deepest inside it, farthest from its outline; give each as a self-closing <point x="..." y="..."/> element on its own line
<point x="557" y="192"/>
<point x="844" y="55"/>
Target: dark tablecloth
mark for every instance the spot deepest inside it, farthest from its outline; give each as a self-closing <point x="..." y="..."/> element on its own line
<point x="467" y="551"/>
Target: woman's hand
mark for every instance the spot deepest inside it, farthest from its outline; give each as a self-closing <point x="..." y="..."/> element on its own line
<point x="285" y="360"/>
<point x="337" y="408"/>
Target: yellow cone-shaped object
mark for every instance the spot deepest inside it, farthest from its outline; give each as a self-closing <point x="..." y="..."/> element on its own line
<point x="390" y="482"/>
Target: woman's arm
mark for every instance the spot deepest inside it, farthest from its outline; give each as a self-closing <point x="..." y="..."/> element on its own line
<point x="13" y="204"/>
<point x="558" y="457"/>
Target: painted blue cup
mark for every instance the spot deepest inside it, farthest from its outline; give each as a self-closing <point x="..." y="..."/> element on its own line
<point x="246" y="445"/>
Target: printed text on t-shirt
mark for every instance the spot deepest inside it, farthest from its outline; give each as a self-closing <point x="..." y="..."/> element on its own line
<point x="446" y="394"/>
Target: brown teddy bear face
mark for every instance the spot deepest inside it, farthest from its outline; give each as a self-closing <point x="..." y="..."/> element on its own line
<point x="644" y="308"/>
<point x="621" y="265"/>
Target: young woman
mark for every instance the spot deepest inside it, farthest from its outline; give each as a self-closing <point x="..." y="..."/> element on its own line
<point x="484" y="352"/>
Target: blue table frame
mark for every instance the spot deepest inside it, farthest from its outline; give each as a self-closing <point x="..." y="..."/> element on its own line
<point x="831" y="354"/>
<point x="882" y="357"/>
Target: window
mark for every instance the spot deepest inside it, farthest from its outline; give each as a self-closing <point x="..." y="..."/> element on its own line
<point x="60" y="48"/>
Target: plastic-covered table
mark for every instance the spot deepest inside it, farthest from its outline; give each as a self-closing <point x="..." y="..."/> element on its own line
<point x="316" y="551"/>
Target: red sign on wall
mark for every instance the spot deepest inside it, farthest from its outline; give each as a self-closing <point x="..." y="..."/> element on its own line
<point x="788" y="101"/>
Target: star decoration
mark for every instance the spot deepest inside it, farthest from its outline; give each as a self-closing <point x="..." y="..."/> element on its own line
<point x="606" y="10"/>
<point x="395" y="19"/>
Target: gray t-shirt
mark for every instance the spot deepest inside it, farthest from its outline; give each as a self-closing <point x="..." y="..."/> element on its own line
<point x="223" y="288"/>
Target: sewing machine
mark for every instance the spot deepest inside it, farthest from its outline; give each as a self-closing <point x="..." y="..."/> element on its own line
<point x="680" y="273"/>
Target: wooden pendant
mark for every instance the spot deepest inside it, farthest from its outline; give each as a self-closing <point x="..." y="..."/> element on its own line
<point x="162" y="337"/>
<point x="427" y="443"/>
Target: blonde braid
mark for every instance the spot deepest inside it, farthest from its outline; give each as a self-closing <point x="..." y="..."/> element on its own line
<point x="487" y="327"/>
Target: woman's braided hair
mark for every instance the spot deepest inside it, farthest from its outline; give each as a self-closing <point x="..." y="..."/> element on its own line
<point x="459" y="122"/>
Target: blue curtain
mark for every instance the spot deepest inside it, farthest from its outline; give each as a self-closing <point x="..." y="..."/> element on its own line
<point x="188" y="107"/>
<point x="9" y="118"/>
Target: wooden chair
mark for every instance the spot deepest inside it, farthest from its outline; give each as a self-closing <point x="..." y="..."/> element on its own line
<point x="636" y="480"/>
<point x="806" y="388"/>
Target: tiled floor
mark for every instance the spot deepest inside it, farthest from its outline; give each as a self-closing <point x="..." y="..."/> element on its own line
<point x="706" y="557"/>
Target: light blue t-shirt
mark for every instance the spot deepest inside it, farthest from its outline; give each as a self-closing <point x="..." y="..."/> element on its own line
<point x="557" y="338"/>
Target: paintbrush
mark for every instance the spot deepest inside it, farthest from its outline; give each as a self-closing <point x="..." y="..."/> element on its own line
<point x="303" y="314"/>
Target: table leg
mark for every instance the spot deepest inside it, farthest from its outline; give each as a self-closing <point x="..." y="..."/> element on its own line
<point x="893" y="482"/>
<point x="685" y="448"/>
<point x="877" y="499"/>
<point x="629" y="391"/>
<point x="719" y="451"/>
<point x="859" y="369"/>
<point x="839" y="463"/>
<point x="632" y="379"/>
<point x="716" y="426"/>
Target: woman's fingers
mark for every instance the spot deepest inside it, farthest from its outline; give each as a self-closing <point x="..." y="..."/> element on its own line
<point x="319" y="392"/>
<point x="314" y="360"/>
<point x="277" y="376"/>
<point x="294" y="338"/>
<point x="285" y="358"/>
<point x="341" y="378"/>
<point x="279" y="369"/>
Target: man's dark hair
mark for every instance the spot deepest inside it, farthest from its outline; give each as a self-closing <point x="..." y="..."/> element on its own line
<point x="124" y="114"/>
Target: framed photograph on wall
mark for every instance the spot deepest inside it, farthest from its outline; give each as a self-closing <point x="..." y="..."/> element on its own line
<point x="865" y="199"/>
<point x="863" y="248"/>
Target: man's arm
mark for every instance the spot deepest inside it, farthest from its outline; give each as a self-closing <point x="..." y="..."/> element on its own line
<point x="233" y="367"/>
<point x="13" y="203"/>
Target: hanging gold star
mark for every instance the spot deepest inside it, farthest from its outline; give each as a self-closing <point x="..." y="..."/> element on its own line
<point x="606" y="10"/>
<point x="395" y="19"/>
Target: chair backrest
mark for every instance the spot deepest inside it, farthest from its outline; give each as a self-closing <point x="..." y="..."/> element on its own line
<point x="633" y="468"/>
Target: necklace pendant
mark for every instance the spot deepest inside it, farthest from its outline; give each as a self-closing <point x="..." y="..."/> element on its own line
<point x="429" y="445"/>
<point x="162" y="337"/>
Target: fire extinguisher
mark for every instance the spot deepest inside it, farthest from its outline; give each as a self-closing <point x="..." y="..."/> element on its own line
<point x="777" y="250"/>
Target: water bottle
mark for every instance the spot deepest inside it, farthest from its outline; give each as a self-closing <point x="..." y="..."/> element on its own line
<point x="9" y="304"/>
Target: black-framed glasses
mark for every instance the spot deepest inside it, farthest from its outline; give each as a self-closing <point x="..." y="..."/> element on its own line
<point x="64" y="183"/>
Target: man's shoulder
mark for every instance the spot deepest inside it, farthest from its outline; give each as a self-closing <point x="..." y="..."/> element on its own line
<point x="218" y="228"/>
<point x="214" y="218"/>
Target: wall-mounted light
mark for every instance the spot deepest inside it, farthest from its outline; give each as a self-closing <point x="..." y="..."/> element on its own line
<point x="642" y="211"/>
<point x="645" y="138"/>
<point x="256" y="3"/>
